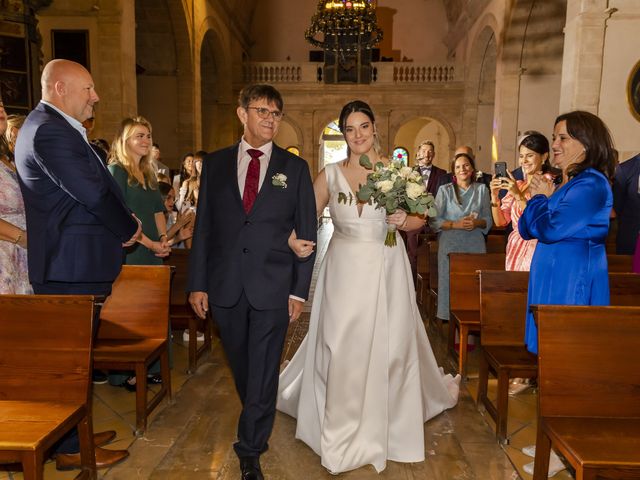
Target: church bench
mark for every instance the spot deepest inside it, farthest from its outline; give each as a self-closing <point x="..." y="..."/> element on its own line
<point x="464" y="297"/>
<point x="133" y="332"/>
<point x="503" y="303"/>
<point x="45" y="365"/>
<point x="620" y="263"/>
<point x="432" y="293"/>
<point x="181" y="314"/>
<point x="588" y="390"/>
<point x="503" y="307"/>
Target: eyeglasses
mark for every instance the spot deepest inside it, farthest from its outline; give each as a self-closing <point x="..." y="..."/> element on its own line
<point x="265" y="112"/>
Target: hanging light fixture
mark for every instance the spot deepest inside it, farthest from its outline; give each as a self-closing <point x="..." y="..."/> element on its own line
<point x="347" y="26"/>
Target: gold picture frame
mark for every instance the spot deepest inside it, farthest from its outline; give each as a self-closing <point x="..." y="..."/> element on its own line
<point x="633" y="91"/>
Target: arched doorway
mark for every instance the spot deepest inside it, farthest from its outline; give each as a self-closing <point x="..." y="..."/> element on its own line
<point x="287" y="137"/>
<point x="165" y="71"/>
<point x="420" y="129"/>
<point x="484" y="66"/>
<point x="333" y="147"/>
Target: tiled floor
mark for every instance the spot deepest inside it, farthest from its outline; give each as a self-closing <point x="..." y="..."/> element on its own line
<point x="192" y="438"/>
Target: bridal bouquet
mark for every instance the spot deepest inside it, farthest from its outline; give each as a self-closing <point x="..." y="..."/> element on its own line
<point x="394" y="186"/>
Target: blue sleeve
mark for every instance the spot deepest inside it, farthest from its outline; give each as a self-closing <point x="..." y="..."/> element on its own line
<point x="582" y="198"/>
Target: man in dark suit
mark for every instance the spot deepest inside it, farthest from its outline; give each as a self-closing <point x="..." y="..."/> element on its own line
<point x="252" y="196"/>
<point x="626" y="203"/>
<point x="433" y="177"/>
<point x="76" y="217"/>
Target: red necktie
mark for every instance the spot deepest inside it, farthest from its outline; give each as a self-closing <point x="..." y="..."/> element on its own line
<point x="252" y="180"/>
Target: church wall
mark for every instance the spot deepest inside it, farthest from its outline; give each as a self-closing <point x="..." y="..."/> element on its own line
<point x="622" y="32"/>
<point x="112" y="53"/>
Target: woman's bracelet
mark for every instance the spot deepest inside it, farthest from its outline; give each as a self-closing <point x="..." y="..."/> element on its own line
<point x="18" y="238"/>
<point x="495" y="204"/>
<point x="404" y="224"/>
<point x="162" y="235"/>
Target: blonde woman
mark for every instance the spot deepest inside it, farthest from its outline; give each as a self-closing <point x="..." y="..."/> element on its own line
<point x="130" y="165"/>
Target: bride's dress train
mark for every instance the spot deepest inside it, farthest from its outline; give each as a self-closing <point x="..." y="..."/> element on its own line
<point x="364" y="379"/>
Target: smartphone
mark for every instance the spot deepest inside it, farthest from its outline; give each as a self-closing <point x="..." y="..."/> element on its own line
<point x="501" y="169"/>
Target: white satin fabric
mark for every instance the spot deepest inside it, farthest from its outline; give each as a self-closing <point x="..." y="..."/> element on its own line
<point x="364" y="379"/>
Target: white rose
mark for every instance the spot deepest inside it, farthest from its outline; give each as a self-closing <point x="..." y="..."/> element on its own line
<point x="414" y="190"/>
<point x="405" y="172"/>
<point x="384" y="186"/>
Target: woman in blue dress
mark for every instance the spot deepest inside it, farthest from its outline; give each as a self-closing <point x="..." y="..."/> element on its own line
<point x="569" y="266"/>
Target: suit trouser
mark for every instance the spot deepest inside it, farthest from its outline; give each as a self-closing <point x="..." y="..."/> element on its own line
<point x="253" y="341"/>
<point x="70" y="443"/>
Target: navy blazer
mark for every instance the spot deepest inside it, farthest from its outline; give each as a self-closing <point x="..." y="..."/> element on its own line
<point x="233" y="251"/>
<point x="76" y="216"/>
<point x="626" y="203"/>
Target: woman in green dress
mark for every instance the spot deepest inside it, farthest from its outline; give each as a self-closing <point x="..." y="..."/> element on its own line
<point x="130" y="165"/>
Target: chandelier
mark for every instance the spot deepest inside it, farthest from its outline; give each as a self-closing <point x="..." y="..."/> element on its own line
<point x="347" y="25"/>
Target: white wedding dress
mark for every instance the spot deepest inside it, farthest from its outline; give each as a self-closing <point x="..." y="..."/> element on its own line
<point x="364" y="379"/>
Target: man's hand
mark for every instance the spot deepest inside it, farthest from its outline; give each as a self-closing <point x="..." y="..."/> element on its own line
<point x="137" y="235"/>
<point x="200" y="303"/>
<point x="295" y="309"/>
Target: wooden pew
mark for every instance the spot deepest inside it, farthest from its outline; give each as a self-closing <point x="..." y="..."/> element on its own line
<point x="133" y="332"/>
<point x="180" y="312"/>
<point x="464" y="297"/>
<point x="588" y="395"/>
<point x="620" y="263"/>
<point x="45" y="365"/>
<point x="503" y="303"/>
<point x="503" y="308"/>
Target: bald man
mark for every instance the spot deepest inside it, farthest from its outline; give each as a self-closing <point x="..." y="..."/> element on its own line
<point x="77" y="219"/>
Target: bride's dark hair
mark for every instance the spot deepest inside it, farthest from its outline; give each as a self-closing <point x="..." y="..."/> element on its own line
<point x="362" y="107"/>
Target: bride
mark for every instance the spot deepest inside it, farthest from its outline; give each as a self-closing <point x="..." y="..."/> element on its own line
<point x="364" y="379"/>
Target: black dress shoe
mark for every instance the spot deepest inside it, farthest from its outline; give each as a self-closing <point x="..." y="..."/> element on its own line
<point x="250" y="468"/>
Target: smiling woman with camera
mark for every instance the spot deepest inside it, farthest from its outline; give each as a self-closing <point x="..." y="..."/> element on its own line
<point x="533" y="155"/>
<point x="569" y="266"/>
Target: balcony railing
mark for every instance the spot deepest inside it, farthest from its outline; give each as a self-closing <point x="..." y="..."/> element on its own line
<point x="383" y="73"/>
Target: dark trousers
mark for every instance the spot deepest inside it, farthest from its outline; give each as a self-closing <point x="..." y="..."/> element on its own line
<point x="70" y="443"/>
<point x="412" y="249"/>
<point x="253" y="341"/>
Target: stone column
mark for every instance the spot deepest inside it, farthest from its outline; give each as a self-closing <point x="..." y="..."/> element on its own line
<point x="583" y="54"/>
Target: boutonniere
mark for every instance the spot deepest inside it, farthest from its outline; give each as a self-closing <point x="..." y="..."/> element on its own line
<point x="279" y="180"/>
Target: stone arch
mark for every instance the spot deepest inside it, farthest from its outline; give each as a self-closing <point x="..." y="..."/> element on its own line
<point x="214" y="91"/>
<point x="531" y="63"/>
<point x="289" y="134"/>
<point x="164" y="70"/>
<point x="480" y="87"/>
<point x="415" y="129"/>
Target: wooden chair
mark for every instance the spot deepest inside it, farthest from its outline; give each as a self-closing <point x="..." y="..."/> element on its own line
<point x="180" y="312"/>
<point x="624" y="289"/>
<point x="45" y="365"/>
<point x="503" y="308"/>
<point x="464" y="297"/>
<point x="133" y="332"/>
<point x="588" y="395"/>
